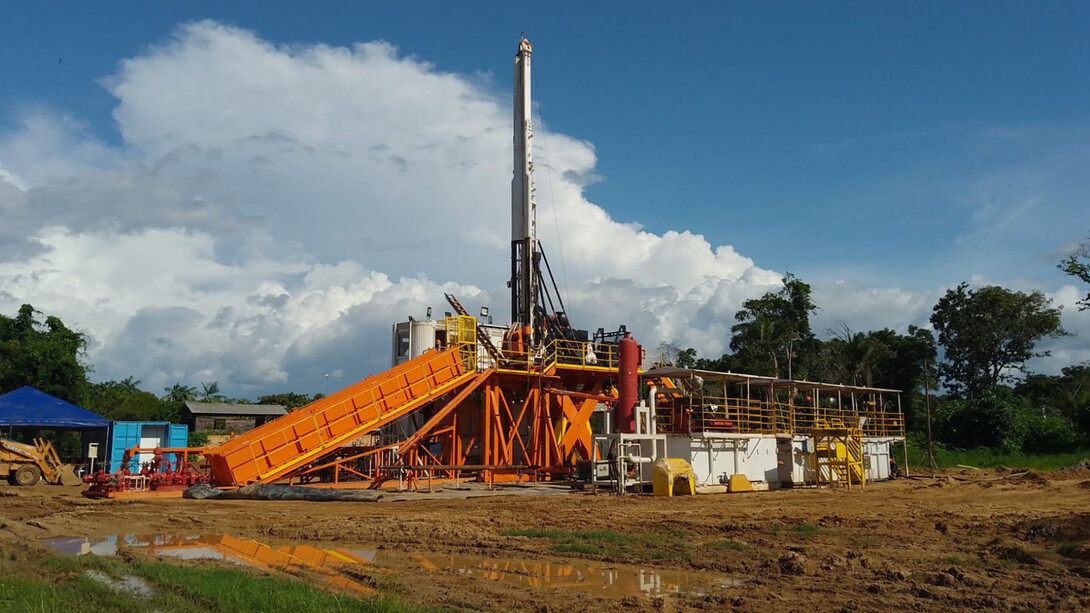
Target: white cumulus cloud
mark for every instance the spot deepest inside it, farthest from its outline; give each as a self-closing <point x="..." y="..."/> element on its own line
<point x="272" y="210"/>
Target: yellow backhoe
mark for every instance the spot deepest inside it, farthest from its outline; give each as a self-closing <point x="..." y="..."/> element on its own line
<point x="25" y="464"/>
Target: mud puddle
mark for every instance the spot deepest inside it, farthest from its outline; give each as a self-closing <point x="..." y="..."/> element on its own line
<point x="347" y="568"/>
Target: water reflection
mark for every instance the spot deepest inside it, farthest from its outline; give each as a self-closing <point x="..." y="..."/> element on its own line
<point x="328" y="562"/>
<point x="336" y="565"/>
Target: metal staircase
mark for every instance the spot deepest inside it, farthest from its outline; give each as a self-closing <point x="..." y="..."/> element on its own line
<point x="838" y="452"/>
<point x="482" y="337"/>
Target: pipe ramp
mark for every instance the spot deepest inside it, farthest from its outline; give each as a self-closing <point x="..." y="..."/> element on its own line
<point x="278" y="448"/>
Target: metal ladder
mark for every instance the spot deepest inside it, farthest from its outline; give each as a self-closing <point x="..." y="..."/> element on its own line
<point x="482" y="338"/>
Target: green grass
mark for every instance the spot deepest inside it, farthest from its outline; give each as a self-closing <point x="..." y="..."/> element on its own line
<point x="809" y="529"/>
<point x="588" y="549"/>
<point x="61" y="584"/>
<point x="672" y="555"/>
<point x="803" y="529"/>
<point x="1067" y="548"/>
<point x="607" y="536"/>
<point x="988" y="458"/>
<point x="728" y="546"/>
<point x="669" y="545"/>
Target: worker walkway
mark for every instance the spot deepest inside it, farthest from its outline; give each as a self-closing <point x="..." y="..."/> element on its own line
<point x="277" y="449"/>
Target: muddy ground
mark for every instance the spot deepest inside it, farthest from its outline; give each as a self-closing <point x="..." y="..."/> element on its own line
<point x="1018" y="544"/>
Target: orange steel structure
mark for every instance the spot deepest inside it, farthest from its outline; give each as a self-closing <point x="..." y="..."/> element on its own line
<point x="518" y="416"/>
<point x="525" y="418"/>
<point x="284" y="445"/>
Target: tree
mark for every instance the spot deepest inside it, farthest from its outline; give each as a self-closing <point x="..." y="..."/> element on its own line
<point x="1081" y="269"/>
<point x="773" y="331"/>
<point x="48" y="356"/>
<point x="989" y="332"/>
<point x="855" y="355"/>
<point x="210" y="391"/>
<point x="686" y="358"/>
<point x="1066" y="396"/>
<point x="671" y="355"/>
<point x="911" y="364"/>
<point x="104" y="398"/>
<point x="179" y="393"/>
<point x="288" y="400"/>
<point x="130" y="384"/>
<point x="987" y="420"/>
<point x="141" y="406"/>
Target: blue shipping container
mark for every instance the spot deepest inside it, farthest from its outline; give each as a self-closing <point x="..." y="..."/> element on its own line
<point x="145" y="434"/>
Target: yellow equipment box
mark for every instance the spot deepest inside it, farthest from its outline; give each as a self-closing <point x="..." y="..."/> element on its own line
<point x="671" y="475"/>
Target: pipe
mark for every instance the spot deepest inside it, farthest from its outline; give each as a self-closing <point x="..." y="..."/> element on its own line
<point x="735" y="449"/>
<point x="653" y="426"/>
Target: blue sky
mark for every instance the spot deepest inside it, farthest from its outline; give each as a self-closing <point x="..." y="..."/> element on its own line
<point x="897" y="148"/>
<point x="840" y="133"/>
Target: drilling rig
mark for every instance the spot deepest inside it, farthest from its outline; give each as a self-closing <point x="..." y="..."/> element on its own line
<point x="527" y="413"/>
<point x="468" y="397"/>
<point x="463" y="396"/>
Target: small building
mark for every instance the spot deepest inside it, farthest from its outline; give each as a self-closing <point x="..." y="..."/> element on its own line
<point x="145" y="435"/>
<point x="222" y="418"/>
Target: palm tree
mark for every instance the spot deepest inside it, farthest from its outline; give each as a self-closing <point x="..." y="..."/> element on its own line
<point x="856" y="354"/>
<point x="130" y="385"/>
<point x="180" y="393"/>
<point x="210" y="391"/>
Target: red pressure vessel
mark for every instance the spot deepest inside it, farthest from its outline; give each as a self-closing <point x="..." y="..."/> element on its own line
<point x="627" y="385"/>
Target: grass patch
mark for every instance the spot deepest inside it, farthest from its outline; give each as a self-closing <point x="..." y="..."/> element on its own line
<point x="669" y="545"/>
<point x="805" y="529"/>
<point x="962" y="560"/>
<point x="589" y="549"/>
<point x="672" y="555"/>
<point x="728" y="546"/>
<point x="607" y="536"/>
<point x="60" y="584"/>
<point x="989" y="458"/>
<point x="1067" y="548"/>
<point x="801" y="529"/>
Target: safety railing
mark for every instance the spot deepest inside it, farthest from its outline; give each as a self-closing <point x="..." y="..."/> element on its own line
<point x="462" y="333"/>
<point x="883" y="423"/>
<point x="735" y="415"/>
<point x="746" y="416"/>
<point x="583" y="354"/>
<point x="565" y="354"/>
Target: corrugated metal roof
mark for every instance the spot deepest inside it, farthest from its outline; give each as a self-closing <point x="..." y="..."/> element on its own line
<point x="758" y="380"/>
<point x="222" y="408"/>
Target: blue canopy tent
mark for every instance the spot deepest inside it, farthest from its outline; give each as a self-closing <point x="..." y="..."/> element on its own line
<point x="28" y="407"/>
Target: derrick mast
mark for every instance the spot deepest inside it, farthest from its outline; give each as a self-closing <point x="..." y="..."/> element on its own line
<point x="524" y="248"/>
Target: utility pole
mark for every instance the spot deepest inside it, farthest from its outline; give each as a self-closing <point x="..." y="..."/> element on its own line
<point x="927" y="406"/>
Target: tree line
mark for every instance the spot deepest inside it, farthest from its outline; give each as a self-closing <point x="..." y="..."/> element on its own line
<point x="986" y="334"/>
<point x="982" y="395"/>
<point x="45" y="354"/>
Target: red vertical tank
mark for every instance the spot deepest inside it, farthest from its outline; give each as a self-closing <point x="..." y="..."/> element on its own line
<point x="627" y="385"/>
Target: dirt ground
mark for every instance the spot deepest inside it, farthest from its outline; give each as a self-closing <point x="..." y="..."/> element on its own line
<point x="1017" y="544"/>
